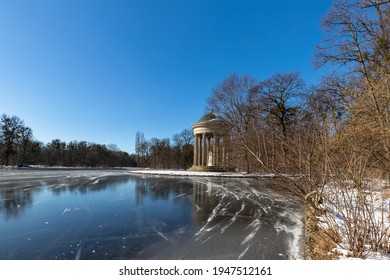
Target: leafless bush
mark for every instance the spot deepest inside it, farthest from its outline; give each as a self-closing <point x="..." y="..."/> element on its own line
<point x="353" y="208"/>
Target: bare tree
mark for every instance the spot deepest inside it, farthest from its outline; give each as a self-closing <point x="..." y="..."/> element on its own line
<point x="235" y="100"/>
<point x="357" y="42"/>
<point x="183" y="149"/>
<point x="26" y="145"/>
<point x="140" y="148"/>
<point x="279" y="99"/>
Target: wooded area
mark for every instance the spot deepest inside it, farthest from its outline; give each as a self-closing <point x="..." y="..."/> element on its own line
<point x="164" y="153"/>
<point x="19" y="148"/>
<point x="282" y="125"/>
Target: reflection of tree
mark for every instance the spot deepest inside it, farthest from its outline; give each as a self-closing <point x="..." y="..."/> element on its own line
<point x="225" y="199"/>
<point x="205" y="197"/>
<point x="158" y="188"/>
<point x="86" y="184"/>
<point x="14" y="201"/>
<point x="17" y="196"/>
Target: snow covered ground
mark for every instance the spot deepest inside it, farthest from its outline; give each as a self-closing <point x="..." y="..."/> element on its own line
<point x="360" y="218"/>
<point x="186" y="173"/>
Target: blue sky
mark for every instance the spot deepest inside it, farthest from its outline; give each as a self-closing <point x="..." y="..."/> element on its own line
<point x="100" y="71"/>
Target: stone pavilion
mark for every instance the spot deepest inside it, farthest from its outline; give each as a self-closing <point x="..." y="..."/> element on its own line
<point x="210" y="135"/>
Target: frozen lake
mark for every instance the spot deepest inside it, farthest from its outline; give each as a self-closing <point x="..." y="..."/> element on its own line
<point x="109" y="214"/>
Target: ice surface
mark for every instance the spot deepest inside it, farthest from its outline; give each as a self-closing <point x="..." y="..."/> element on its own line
<point x="111" y="214"/>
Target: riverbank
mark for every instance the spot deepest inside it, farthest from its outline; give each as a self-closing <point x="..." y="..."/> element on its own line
<point x="186" y="173"/>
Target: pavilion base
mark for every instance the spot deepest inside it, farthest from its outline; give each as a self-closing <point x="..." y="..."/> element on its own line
<point x="207" y="168"/>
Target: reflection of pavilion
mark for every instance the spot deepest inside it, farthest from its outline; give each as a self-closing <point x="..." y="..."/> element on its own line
<point x="204" y="200"/>
<point x="210" y="134"/>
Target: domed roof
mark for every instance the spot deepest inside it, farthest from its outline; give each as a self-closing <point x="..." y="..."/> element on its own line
<point x="209" y="117"/>
<point x="210" y="123"/>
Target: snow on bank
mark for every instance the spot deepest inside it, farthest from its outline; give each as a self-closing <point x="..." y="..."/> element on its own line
<point x="356" y="216"/>
<point x="140" y="171"/>
<point x="187" y="173"/>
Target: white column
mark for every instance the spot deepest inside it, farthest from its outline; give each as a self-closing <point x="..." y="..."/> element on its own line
<point x="207" y="150"/>
<point x="214" y="150"/>
<point x="223" y="151"/>
<point x="199" y="150"/>
<point x="217" y="150"/>
<point x="195" y="149"/>
<point x="204" y="149"/>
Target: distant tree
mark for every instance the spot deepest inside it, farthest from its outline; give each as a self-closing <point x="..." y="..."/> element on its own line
<point x="72" y="154"/>
<point x="183" y="149"/>
<point x="26" y="145"/>
<point x="160" y="153"/>
<point x="56" y="152"/>
<point x="113" y="147"/>
<point x="141" y="148"/>
<point x="15" y="138"/>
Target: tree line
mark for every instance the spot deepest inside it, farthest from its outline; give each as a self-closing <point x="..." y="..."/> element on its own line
<point x="165" y="153"/>
<point x="18" y="147"/>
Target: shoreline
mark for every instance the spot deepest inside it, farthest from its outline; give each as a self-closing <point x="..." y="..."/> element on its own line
<point x="186" y="173"/>
<point x="151" y="172"/>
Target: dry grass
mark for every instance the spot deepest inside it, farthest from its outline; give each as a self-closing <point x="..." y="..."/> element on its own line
<point x="319" y="243"/>
<point x="386" y="193"/>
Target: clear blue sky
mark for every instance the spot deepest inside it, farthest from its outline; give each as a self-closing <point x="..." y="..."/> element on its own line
<point x="100" y="71"/>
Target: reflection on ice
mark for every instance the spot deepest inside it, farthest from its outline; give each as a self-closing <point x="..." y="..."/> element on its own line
<point x="230" y="202"/>
<point x="111" y="215"/>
